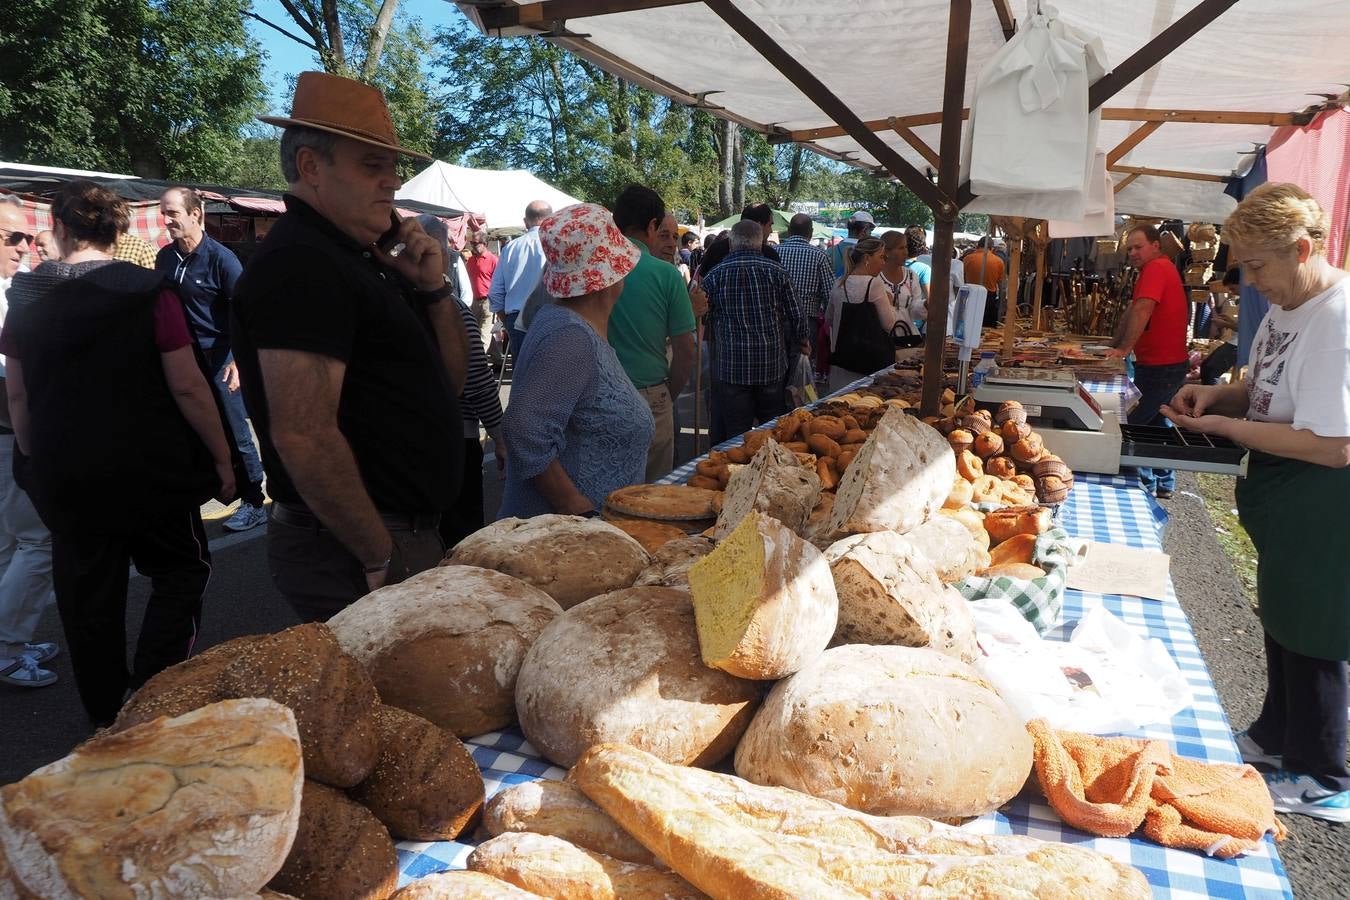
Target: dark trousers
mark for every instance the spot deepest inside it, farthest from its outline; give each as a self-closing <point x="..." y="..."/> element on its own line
<point x="1157" y="384"/>
<point x="1303" y="716"/>
<point x="1218" y="362"/>
<point x="320" y="577"/>
<point x="90" y="572"/>
<point x="467" y="515"/>
<point x="739" y="407"/>
<point x="515" y="337"/>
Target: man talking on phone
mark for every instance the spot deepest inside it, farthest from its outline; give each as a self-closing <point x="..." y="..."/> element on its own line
<point x="352" y="352"/>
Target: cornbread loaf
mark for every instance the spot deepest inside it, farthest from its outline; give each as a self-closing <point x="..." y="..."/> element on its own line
<point x="1013" y="520"/>
<point x="340" y="850"/>
<point x="205" y="804"/>
<point x="447" y="643"/>
<point x="461" y="885"/>
<point x="764" y="601"/>
<point x="889" y="593"/>
<point x="625" y="667"/>
<point x="552" y="867"/>
<point x="562" y="810"/>
<point x="304" y="668"/>
<point x="949" y="546"/>
<point x="899" y="478"/>
<point x="923" y="734"/>
<point x="774" y="484"/>
<point x="570" y="558"/>
<point x="425" y="786"/>
<point x="670" y="563"/>
<point x="732" y="839"/>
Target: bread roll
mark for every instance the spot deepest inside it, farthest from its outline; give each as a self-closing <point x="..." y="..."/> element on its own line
<point x="562" y="810"/>
<point x="625" y="667"/>
<point x="552" y="867"/>
<point x="1013" y="520"/>
<point x="425" y="786"/>
<point x="949" y="546"/>
<point x="1020" y="548"/>
<point x="961" y="495"/>
<point x="340" y="850"/>
<point x="670" y="563"/>
<point x="568" y="557"/>
<point x="304" y="668"/>
<point x="774" y="484"/>
<point x="205" y="804"/>
<point x="764" y="601"/>
<point x="899" y="478"/>
<point x="458" y="884"/>
<point x="923" y="734"/>
<point x="1021" y="571"/>
<point x="733" y="839"/>
<point x="447" y="643"/>
<point x="890" y="594"/>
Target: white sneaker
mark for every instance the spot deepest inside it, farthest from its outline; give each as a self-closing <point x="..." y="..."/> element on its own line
<point x="1254" y="754"/>
<point x="245" y="517"/>
<point x="23" y="671"/>
<point x="1304" y="795"/>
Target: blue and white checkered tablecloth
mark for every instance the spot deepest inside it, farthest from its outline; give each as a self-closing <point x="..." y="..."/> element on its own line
<point x="1101" y="508"/>
<point x="1116" y="384"/>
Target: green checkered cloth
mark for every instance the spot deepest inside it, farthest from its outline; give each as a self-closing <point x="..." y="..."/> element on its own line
<point x="1041" y="600"/>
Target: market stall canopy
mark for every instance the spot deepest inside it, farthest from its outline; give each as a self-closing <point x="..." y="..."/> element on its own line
<point x="1173" y="135"/>
<point x="498" y="196"/>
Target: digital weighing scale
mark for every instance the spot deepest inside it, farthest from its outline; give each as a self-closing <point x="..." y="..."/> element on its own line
<point x="1077" y="429"/>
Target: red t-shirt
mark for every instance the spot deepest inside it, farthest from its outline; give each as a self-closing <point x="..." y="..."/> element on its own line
<point x="480" y="273"/>
<point x="1163" y="342"/>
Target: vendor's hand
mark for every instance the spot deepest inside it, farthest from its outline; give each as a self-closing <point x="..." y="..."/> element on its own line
<point x="1117" y="353"/>
<point x="421" y="260"/>
<point x="1192" y="400"/>
<point x="229" y="376"/>
<point x="698" y="298"/>
<point x="225" y="474"/>
<point x="1219" y="425"/>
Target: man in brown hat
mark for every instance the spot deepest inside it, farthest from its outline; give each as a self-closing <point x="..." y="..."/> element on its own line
<point x="352" y="352"/>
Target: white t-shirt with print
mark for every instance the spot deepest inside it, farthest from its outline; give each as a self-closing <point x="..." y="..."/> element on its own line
<point x="1300" y="365"/>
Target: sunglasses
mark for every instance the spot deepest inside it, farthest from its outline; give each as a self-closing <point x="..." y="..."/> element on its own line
<point x="15" y="238"/>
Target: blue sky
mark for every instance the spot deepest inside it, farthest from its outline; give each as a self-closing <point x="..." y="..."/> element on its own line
<point x="285" y="57"/>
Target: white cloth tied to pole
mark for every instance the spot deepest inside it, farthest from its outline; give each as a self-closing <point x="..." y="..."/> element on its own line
<point x="1099" y="219"/>
<point x="1030" y="145"/>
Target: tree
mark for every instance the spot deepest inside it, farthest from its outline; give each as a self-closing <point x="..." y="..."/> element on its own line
<point x="327" y="24"/>
<point x="157" y="88"/>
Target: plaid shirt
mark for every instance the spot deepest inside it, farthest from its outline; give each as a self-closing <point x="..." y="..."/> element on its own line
<point x="810" y="271"/>
<point x="755" y="318"/>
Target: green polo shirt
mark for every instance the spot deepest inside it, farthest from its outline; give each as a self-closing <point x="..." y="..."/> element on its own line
<point x="653" y="307"/>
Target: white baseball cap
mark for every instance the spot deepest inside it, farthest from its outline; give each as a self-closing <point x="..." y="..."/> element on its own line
<point x="861" y="216"/>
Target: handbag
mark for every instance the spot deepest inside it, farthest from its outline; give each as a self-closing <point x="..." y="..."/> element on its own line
<point x="862" y="345"/>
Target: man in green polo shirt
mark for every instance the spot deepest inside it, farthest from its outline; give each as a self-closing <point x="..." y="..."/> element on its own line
<point x="653" y="309"/>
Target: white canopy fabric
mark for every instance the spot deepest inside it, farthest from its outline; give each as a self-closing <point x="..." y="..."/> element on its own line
<point x="886" y="58"/>
<point x="500" y="196"/>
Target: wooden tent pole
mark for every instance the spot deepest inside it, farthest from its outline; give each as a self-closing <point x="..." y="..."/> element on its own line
<point x="1040" y="283"/>
<point x="1014" y="286"/>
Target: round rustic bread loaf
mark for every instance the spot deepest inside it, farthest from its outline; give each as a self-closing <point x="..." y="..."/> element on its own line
<point x="570" y="558"/>
<point x="890" y="731"/>
<point x="460" y="884"/>
<point x="425" y="786"/>
<point x="670" y="563"/>
<point x="340" y="850"/>
<point x="447" y="643"/>
<point x="625" y="667"/>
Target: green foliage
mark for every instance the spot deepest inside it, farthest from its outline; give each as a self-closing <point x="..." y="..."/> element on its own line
<point x="158" y="88"/>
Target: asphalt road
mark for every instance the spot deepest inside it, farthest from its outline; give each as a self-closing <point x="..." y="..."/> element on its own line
<point x="42" y="725"/>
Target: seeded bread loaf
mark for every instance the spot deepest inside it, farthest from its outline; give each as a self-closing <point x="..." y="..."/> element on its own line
<point x="900" y="477"/>
<point x="625" y="667"/>
<point x="561" y="810"/>
<point x="552" y="867"/>
<point x="570" y="558"/>
<point x="764" y="601"/>
<point x="340" y="850"/>
<point x="425" y="786"/>
<point x="447" y="643"/>
<point x="774" y="484"/>
<point x="923" y="735"/>
<point x="736" y="840"/>
<point x="205" y="804"/>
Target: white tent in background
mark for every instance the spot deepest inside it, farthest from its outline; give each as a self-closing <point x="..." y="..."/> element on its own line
<point x="500" y="196"/>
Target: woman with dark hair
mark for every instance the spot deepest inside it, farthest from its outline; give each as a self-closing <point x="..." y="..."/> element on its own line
<point x="862" y="315"/>
<point x="110" y="407"/>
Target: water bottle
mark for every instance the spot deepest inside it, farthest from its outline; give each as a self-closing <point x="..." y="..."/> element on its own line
<point x="986" y="365"/>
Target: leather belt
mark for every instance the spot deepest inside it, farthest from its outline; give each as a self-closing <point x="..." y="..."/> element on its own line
<point x="299" y="517"/>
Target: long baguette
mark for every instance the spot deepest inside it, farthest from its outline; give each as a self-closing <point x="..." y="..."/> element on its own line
<point x="552" y="867"/>
<point x="733" y="839"/>
<point x="560" y="809"/>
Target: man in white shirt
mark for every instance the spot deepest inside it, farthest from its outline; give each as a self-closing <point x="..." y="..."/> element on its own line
<point x="519" y="269"/>
<point x="25" y="543"/>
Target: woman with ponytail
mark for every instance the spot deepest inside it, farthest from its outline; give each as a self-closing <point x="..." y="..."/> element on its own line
<point x="861" y="314"/>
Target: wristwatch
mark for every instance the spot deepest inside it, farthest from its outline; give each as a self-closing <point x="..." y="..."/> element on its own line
<point x="447" y="289"/>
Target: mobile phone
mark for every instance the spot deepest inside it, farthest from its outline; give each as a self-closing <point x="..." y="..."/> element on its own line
<point x="389" y="241"/>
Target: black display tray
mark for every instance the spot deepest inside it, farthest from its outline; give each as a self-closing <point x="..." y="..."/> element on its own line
<point x="1160" y="442"/>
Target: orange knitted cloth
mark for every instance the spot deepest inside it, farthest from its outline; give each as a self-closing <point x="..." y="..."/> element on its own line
<point x="1112" y="786"/>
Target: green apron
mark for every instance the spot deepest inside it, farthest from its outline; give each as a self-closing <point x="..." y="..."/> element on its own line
<point x="1294" y="512"/>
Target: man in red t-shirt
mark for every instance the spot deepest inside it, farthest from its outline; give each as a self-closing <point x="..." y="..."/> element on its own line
<point x="1155" y="330"/>
<point x="481" y="264"/>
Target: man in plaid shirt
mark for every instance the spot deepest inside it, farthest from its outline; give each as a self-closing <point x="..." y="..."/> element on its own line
<point x="756" y="320"/>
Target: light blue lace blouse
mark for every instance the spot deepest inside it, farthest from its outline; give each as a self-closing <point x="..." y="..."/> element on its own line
<point x="571" y="401"/>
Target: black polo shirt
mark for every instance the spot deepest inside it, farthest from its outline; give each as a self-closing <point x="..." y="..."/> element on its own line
<point x="310" y="287"/>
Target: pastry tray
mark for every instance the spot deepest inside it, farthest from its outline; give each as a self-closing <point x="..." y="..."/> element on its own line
<point x="1177" y="448"/>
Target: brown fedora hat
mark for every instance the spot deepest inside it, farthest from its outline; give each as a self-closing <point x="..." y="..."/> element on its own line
<point x="344" y="107"/>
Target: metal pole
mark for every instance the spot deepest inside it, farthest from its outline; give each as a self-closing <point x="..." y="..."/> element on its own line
<point x="698" y="386"/>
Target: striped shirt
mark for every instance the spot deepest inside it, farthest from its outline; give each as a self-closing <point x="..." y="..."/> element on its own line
<point x="812" y="275"/>
<point x="755" y="318"/>
<point x="479" y="400"/>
